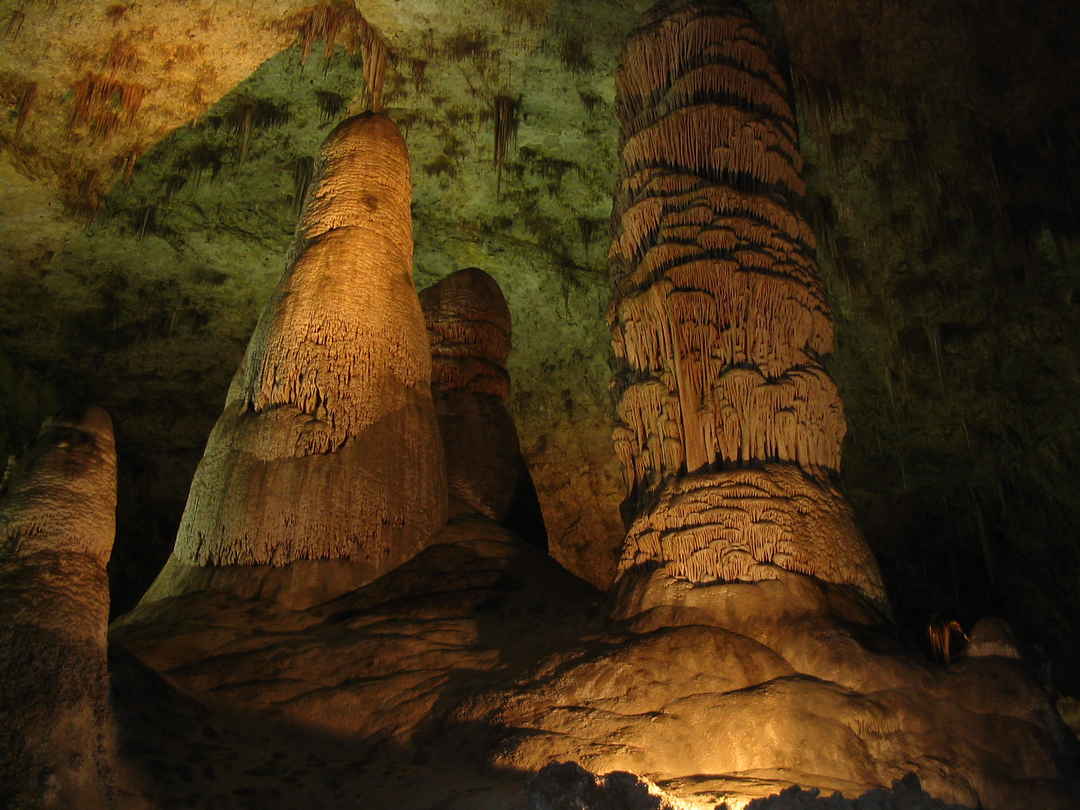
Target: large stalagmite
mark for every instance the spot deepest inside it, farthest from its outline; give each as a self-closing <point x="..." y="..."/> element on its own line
<point x="729" y="427"/>
<point x="328" y="446"/>
<point x="468" y="323"/>
<point x="57" y="526"/>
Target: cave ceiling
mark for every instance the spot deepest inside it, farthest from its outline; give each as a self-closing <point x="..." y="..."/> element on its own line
<point x="154" y="156"/>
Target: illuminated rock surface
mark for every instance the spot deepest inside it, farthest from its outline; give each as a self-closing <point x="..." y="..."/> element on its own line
<point x="719" y="319"/>
<point x="328" y="446"/>
<point x="57" y="524"/>
<point x="455" y="678"/>
<point x="139" y="245"/>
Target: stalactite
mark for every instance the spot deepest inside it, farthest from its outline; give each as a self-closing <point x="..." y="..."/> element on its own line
<point x="375" y="56"/>
<point x="303" y="170"/>
<point x="24" y="105"/>
<point x="419" y="74"/>
<point x="719" y="320"/>
<point x="103" y="104"/>
<point x="15" y="24"/>
<point x="323" y="22"/>
<point x="506" y="125"/>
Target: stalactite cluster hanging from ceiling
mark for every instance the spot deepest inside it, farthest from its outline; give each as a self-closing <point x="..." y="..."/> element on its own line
<point x="719" y="319"/>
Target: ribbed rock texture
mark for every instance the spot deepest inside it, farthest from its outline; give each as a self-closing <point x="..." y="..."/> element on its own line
<point x="468" y="323"/>
<point x="328" y="445"/>
<point x="742" y="525"/>
<point x="719" y="320"/>
<point x="57" y="526"/>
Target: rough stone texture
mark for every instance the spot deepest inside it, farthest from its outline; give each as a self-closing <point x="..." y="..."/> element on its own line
<point x="743" y="525"/>
<point x="360" y="686"/>
<point x="568" y="786"/>
<point x="469" y="326"/>
<point x="479" y="662"/>
<point x="941" y="165"/>
<point x="719" y="320"/>
<point x="57" y="525"/>
<point x="328" y="445"/>
<point x="759" y="708"/>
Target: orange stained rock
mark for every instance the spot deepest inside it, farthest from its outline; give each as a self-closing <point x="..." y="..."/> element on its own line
<point x="713" y="139"/>
<point x="719" y="318"/>
<point x="741" y="525"/>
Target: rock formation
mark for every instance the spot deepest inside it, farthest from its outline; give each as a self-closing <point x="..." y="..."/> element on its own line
<point x="57" y="524"/>
<point x="747" y="652"/>
<point x="468" y="324"/>
<point x="719" y="320"/>
<point x="328" y="445"/>
<point x="992" y="636"/>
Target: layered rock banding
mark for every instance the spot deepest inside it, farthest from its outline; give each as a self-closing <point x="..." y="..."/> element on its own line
<point x="719" y="320"/>
<point x="468" y="323"/>
<point x="57" y="526"/>
<point x="328" y="445"/>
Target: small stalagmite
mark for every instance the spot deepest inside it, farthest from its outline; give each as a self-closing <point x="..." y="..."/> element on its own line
<point x="328" y="445"/>
<point x="57" y="526"/>
<point x="719" y="320"/>
<point x="468" y="324"/>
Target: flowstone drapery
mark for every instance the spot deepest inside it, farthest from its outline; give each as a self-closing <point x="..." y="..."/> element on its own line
<point x="328" y="446"/>
<point x="729" y="426"/>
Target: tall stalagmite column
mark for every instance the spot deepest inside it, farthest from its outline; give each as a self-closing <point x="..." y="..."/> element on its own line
<point x="328" y="446"/>
<point x="57" y="526"/>
<point x="729" y="427"/>
<point x="469" y="326"/>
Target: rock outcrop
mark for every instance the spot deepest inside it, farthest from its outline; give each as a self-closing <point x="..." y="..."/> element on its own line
<point x="992" y="636"/>
<point x="746" y="653"/>
<point x="468" y="323"/>
<point x="57" y="526"/>
<point x="328" y="446"/>
<point x="729" y="426"/>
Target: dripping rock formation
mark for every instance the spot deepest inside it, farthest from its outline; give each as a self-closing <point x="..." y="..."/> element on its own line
<point x="328" y="446"/>
<point x="719" y="319"/>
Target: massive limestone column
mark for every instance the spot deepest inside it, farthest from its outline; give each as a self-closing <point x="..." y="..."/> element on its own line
<point x="729" y="427"/>
<point x="57" y="526"/>
<point x="328" y="446"/>
<point x="468" y="323"/>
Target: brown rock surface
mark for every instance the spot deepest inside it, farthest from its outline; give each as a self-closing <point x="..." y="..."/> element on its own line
<point x="451" y="679"/>
<point x="744" y="524"/>
<point x="57" y="525"/>
<point x="992" y="636"/>
<point x="469" y="326"/>
<point x="719" y="319"/>
<point x="328" y="447"/>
